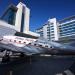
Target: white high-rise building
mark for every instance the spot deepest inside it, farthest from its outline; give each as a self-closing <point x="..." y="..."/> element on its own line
<point x="17" y="18"/>
<point x="58" y="30"/>
<point x="49" y="30"/>
<point x="22" y="18"/>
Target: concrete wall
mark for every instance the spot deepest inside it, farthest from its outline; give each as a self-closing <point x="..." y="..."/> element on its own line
<point x="45" y="31"/>
<point x="18" y="17"/>
<point x="26" y="19"/>
<point x="6" y="29"/>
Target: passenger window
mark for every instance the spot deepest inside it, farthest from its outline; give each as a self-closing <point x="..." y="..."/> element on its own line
<point x="46" y="46"/>
<point x="1" y="39"/>
<point x="10" y="40"/>
<point x="51" y="47"/>
<point x="40" y="45"/>
<point x="19" y="41"/>
<point x="29" y="43"/>
<point x="24" y="42"/>
<point x="34" y="44"/>
<point x="14" y="40"/>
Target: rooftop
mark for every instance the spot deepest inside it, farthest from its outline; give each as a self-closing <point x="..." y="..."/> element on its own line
<point x="67" y="19"/>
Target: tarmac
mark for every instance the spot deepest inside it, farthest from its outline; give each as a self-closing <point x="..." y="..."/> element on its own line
<point x="40" y="65"/>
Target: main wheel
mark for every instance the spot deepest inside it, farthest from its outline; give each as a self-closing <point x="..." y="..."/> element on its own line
<point x="6" y="58"/>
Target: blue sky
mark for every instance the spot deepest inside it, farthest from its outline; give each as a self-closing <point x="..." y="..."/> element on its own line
<point x="42" y="10"/>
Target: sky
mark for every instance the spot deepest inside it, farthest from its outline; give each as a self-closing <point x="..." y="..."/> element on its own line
<point x="42" y="10"/>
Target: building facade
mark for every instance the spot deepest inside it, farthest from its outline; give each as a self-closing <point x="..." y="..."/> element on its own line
<point x="17" y="17"/>
<point x="49" y="30"/>
<point x="67" y="28"/>
<point x="58" y="30"/>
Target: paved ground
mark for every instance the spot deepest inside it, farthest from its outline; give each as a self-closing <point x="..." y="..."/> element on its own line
<point x="54" y="65"/>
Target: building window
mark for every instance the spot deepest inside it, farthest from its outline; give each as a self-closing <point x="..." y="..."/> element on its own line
<point x="9" y="16"/>
<point x="22" y="22"/>
<point x="51" y="23"/>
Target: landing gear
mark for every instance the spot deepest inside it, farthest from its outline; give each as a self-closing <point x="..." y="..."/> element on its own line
<point x="22" y="55"/>
<point x="6" y="57"/>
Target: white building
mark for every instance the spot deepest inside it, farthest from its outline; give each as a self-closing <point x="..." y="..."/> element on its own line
<point x="58" y="30"/>
<point x="49" y="30"/>
<point x="17" y="18"/>
<point x="67" y="28"/>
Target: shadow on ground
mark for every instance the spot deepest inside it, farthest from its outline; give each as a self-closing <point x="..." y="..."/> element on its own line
<point x="38" y="65"/>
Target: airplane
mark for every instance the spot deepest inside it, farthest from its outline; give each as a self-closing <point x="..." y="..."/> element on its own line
<point x="23" y="43"/>
<point x="30" y="46"/>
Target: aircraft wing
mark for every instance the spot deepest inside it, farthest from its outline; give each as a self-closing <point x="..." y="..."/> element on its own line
<point x="59" y="48"/>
